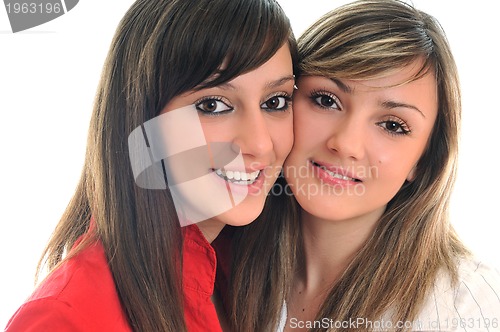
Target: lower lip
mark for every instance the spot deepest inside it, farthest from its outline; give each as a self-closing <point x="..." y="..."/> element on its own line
<point x="326" y="178"/>
<point x="251" y="188"/>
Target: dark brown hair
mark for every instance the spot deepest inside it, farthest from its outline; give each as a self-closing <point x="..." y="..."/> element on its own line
<point x="263" y="263"/>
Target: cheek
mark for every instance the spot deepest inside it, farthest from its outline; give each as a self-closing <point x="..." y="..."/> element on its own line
<point x="394" y="165"/>
<point x="310" y="129"/>
<point x="282" y="136"/>
<point x="218" y="131"/>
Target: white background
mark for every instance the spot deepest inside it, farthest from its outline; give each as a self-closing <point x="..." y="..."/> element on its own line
<point x="48" y="77"/>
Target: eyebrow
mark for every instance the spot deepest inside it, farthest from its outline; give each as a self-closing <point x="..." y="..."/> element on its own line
<point x="269" y="85"/>
<point x="281" y="81"/>
<point x="344" y="87"/>
<point x="390" y="104"/>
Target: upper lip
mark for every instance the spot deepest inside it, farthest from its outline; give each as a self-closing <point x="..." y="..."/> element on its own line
<point x="246" y="170"/>
<point x="344" y="171"/>
<point x="253" y="167"/>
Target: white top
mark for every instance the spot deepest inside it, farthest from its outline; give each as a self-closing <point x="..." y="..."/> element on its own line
<point x="474" y="305"/>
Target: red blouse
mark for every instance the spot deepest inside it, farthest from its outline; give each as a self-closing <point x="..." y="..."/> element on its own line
<point x="81" y="296"/>
<point x="198" y="273"/>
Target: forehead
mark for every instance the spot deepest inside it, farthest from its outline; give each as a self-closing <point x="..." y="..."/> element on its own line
<point x="395" y="77"/>
<point x="407" y="85"/>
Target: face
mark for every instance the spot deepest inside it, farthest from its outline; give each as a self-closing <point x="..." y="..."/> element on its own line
<point x="357" y="142"/>
<point x="251" y="114"/>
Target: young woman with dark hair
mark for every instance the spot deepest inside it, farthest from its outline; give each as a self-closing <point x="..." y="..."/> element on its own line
<point x="119" y="259"/>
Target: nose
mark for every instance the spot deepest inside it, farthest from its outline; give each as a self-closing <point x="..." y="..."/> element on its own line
<point x="253" y="135"/>
<point x="347" y="138"/>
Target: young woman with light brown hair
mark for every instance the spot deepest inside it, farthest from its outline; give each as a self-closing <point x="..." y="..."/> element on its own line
<point x="376" y="123"/>
<point x="119" y="259"/>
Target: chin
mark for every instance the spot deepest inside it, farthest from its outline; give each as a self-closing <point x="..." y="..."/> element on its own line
<point x="243" y="214"/>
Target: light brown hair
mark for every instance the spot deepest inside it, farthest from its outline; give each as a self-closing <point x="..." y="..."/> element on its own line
<point x="414" y="240"/>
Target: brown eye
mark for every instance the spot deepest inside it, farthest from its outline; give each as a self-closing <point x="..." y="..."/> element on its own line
<point x="395" y="127"/>
<point x="276" y="103"/>
<point x="209" y="106"/>
<point x="212" y="106"/>
<point x="325" y="100"/>
<point x="273" y="102"/>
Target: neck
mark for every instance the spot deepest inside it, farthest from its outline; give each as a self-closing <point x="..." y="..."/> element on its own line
<point x="210" y="229"/>
<point x="330" y="246"/>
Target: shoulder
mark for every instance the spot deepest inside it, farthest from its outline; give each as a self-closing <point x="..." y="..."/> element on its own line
<point x="473" y="303"/>
<point x="80" y="293"/>
<point x="478" y="291"/>
<point x="46" y="314"/>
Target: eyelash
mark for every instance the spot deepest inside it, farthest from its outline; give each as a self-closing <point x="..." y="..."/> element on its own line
<point x="217" y="100"/>
<point x="403" y="126"/>
<point x="287" y="99"/>
<point x="315" y="94"/>
<point x="287" y="102"/>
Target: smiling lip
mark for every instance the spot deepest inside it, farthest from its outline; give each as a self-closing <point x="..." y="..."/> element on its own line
<point x="334" y="175"/>
<point x="236" y="179"/>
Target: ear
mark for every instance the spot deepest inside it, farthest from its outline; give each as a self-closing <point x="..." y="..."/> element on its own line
<point x="413" y="173"/>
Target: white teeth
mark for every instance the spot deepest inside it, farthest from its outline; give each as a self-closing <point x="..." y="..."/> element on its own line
<point x="336" y="175"/>
<point x="237" y="176"/>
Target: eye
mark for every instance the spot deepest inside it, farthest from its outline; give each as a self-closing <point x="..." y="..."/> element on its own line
<point x="213" y="106"/>
<point x="395" y="127"/>
<point x="325" y="100"/>
<point x="277" y="103"/>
